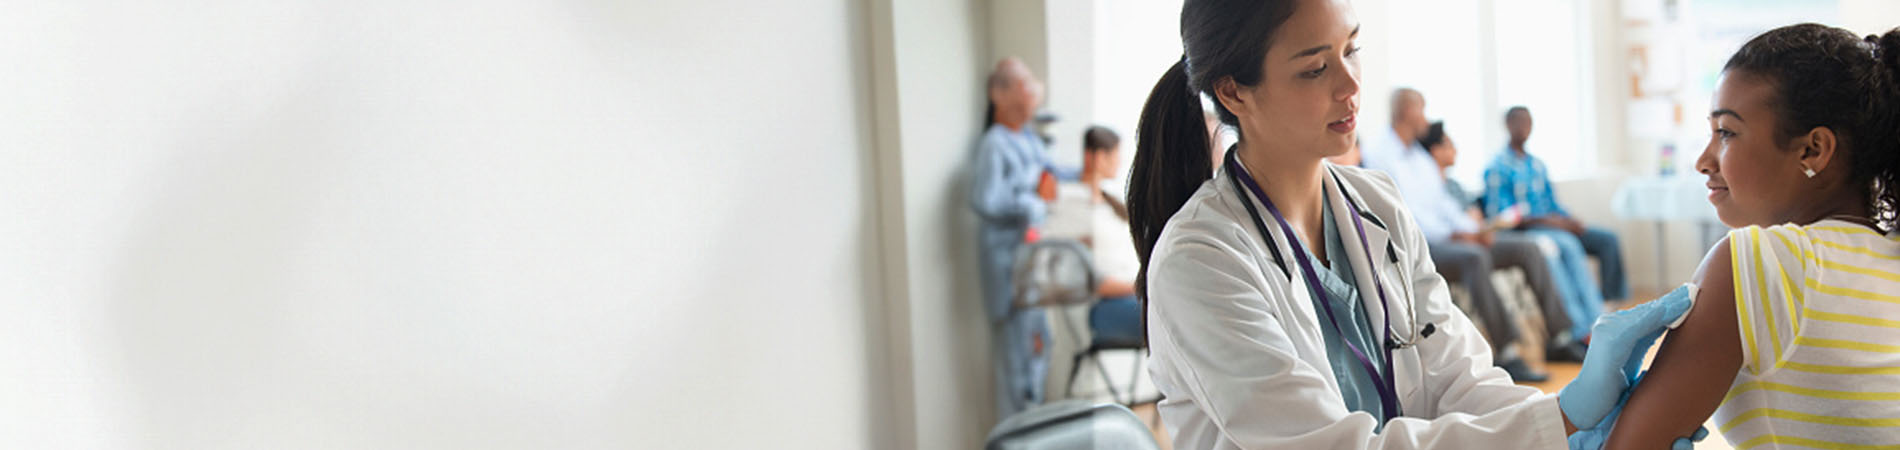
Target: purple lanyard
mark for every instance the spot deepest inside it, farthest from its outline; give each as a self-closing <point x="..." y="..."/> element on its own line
<point x="1388" y="396"/>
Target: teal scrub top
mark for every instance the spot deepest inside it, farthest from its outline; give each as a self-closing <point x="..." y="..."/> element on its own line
<point x="1360" y="391"/>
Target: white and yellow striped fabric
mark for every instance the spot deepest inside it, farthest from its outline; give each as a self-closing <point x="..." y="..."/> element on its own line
<point x="1819" y="308"/>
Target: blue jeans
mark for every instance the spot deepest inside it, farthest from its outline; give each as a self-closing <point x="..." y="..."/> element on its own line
<point x="1020" y="366"/>
<point x="1570" y="268"/>
<point x="1604" y="245"/>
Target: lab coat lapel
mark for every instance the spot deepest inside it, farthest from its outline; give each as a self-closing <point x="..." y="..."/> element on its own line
<point x="1290" y="282"/>
<point x="1376" y="240"/>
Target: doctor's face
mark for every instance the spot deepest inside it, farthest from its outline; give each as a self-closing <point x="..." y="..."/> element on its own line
<point x="1307" y="100"/>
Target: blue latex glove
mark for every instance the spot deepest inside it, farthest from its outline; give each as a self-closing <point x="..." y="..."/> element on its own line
<point x="1592" y="439"/>
<point x="1618" y="343"/>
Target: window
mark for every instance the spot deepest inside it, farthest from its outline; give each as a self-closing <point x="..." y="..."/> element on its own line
<point x="1474" y="59"/>
<point x="1544" y="62"/>
<point x="1135" y="41"/>
<point x="1435" y="47"/>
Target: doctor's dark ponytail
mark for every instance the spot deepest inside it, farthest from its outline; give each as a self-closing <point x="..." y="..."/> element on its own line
<point x="1220" y="40"/>
<point x="1171" y="158"/>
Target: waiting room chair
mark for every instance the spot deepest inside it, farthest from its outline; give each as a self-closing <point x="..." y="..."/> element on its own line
<point x="1099" y="343"/>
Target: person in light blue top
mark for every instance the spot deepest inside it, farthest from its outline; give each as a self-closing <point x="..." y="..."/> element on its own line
<point x="1397" y="152"/>
<point x="1512" y="248"/>
<point x="1461" y="249"/>
<point x="1012" y="183"/>
<point x="1519" y="183"/>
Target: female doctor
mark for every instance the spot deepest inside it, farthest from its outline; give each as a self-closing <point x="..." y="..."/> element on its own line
<point x="1291" y="303"/>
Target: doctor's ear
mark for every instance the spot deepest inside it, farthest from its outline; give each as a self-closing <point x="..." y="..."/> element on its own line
<point x="1817" y="148"/>
<point x="1227" y="92"/>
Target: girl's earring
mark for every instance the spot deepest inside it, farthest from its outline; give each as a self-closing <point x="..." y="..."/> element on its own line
<point x="1805" y="170"/>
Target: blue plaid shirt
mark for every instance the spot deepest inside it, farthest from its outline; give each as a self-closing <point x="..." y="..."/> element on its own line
<point x="1511" y="180"/>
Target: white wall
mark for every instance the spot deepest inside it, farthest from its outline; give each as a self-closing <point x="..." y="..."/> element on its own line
<point x="1016" y="28"/>
<point x="1684" y="243"/>
<point x="1070" y="31"/>
<point x="1870" y="16"/>
<point x="931" y="59"/>
<point x="431" y="224"/>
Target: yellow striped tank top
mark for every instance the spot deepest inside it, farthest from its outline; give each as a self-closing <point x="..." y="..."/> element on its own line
<point x="1819" y="309"/>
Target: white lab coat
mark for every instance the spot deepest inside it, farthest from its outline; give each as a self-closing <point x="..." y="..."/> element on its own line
<point x="1236" y="347"/>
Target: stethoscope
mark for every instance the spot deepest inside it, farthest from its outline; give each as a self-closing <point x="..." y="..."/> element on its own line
<point x="1387" y="388"/>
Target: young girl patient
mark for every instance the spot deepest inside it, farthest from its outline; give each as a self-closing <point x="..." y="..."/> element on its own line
<point x="1794" y="340"/>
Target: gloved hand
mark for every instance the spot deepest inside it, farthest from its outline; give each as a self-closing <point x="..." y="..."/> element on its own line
<point x="1618" y="343"/>
<point x="1593" y="439"/>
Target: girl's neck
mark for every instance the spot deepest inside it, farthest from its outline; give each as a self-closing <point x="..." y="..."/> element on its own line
<point x="1842" y="207"/>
